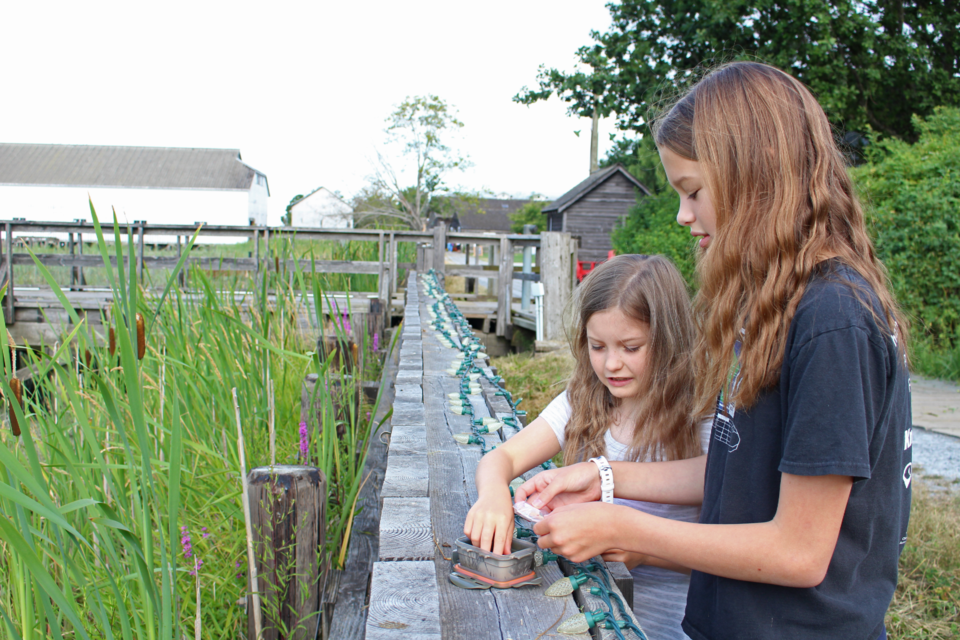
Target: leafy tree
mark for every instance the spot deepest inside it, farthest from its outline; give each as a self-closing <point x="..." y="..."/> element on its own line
<point x="287" y="218"/>
<point x="651" y="228"/>
<point x="416" y="131"/>
<point x="913" y="198"/>
<point x="871" y="64"/>
<point x="529" y="213"/>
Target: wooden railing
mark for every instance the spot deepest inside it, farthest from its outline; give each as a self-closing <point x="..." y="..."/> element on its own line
<point x="556" y="256"/>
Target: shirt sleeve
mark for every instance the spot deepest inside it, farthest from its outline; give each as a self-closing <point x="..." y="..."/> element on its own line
<point x="557" y="414"/>
<point x="835" y="388"/>
<point x="706" y="429"/>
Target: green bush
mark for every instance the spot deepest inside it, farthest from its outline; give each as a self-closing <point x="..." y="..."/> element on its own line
<point x="912" y="194"/>
<point x="651" y="228"/>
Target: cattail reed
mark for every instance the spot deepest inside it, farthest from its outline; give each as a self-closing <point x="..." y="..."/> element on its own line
<point x="17" y="390"/>
<point x="13" y="352"/>
<point x="141" y="337"/>
<point x="113" y="342"/>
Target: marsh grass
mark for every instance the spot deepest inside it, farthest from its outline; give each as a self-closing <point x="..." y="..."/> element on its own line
<point x="115" y="457"/>
<point x="926" y="604"/>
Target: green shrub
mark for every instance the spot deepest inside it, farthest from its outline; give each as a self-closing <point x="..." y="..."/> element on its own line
<point x="651" y="228"/>
<point x="912" y="193"/>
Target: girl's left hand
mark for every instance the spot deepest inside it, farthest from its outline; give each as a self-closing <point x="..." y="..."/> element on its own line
<point x="580" y="531"/>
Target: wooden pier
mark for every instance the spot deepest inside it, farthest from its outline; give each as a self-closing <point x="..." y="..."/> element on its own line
<point x="428" y="487"/>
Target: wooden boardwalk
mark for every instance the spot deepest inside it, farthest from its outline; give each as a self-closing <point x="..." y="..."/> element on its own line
<point x="427" y="490"/>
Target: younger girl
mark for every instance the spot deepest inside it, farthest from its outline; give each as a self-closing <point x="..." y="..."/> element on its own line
<point x="630" y="398"/>
<point x="806" y="488"/>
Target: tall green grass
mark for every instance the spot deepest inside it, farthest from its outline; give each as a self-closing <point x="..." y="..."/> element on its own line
<point x="120" y="460"/>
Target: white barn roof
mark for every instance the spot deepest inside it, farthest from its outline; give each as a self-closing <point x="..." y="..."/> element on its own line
<point x="137" y="167"/>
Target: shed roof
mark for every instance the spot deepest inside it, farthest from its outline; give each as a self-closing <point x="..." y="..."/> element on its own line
<point x="102" y="166"/>
<point x="588" y="185"/>
<point x="495" y="216"/>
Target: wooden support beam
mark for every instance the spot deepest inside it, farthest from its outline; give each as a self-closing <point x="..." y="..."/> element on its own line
<point x="288" y="513"/>
<point x="440" y="250"/>
<point x="8" y="263"/>
<point x="504" y="286"/>
<point x="558" y="259"/>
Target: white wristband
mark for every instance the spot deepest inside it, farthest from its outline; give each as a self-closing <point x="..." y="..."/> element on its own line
<point x="606" y="478"/>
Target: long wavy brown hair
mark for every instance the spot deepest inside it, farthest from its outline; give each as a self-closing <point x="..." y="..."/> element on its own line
<point x="784" y="202"/>
<point x="647" y="289"/>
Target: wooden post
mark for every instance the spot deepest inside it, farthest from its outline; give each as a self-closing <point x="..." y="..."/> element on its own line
<point x="376" y="320"/>
<point x="504" y="285"/>
<point x="81" y="281"/>
<point x="73" y="269"/>
<point x="556" y="258"/>
<point x="491" y="260"/>
<point x="440" y="249"/>
<point x="421" y="257"/>
<point x="469" y="284"/>
<point x="338" y="395"/>
<point x="383" y="284"/>
<point x="182" y="276"/>
<point x="8" y="300"/>
<point x="527" y="268"/>
<point x="394" y="275"/>
<point x="288" y="512"/>
<point x="140" y="225"/>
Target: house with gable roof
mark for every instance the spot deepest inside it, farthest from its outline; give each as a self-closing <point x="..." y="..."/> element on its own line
<point x="162" y="185"/>
<point x="321" y="209"/>
<point x="592" y="209"/>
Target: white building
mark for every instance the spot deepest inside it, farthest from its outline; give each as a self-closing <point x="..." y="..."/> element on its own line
<point x="321" y="209"/>
<point x="53" y="182"/>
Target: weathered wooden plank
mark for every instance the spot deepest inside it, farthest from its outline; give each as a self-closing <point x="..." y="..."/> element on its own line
<point x="405" y="531"/>
<point x="513" y="613"/>
<point x="409" y="376"/>
<point x="407" y="474"/>
<point x="409" y="393"/>
<point x="349" y="615"/>
<point x="408" y="439"/>
<point x="403" y="602"/>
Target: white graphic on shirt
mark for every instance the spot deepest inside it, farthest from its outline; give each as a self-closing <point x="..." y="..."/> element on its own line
<point x="724" y="430"/>
<point x="908" y="438"/>
<point x="907" y="475"/>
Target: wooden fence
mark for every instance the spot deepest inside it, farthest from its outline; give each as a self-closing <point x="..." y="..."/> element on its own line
<point x="556" y="257"/>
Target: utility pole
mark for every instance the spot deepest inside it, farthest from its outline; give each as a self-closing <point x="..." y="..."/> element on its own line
<point x="594" y="141"/>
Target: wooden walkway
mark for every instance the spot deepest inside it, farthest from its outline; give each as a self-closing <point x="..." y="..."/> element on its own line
<point x="427" y="490"/>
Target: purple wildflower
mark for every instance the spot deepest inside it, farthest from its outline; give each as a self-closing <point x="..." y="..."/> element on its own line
<point x="376" y="341"/>
<point x="185" y="543"/>
<point x="196" y="566"/>
<point x="304" y="442"/>
<point x="346" y="324"/>
<point x="203" y="531"/>
<point x="239" y="573"/>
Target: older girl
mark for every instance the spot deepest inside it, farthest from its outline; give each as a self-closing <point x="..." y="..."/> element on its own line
<point x="801" y="352"/>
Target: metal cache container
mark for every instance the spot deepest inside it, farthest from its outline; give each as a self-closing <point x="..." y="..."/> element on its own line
<point x="496" y="567"/>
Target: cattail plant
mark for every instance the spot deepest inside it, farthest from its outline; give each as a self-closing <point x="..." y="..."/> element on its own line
<point x="141" y="337"/>
<point x="17" y="388"/>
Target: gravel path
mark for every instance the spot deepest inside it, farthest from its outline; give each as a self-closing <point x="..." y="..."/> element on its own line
<point x="936" y="456"/>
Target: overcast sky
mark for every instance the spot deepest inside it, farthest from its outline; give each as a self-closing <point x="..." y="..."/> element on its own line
<point x="302" y="89"/>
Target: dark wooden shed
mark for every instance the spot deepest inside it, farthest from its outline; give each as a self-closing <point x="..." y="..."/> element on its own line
<point x="593" y="208"/>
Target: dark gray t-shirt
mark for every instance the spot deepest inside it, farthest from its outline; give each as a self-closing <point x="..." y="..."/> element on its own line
<point x="842" y="406"/>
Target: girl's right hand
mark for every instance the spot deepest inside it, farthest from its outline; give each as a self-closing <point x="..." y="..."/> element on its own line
<point x="490" y="524"/>
<point x="555" y="488"/>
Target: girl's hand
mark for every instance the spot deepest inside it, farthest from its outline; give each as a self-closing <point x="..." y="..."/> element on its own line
<point x="580" y="531"/>
<point x="628" y="558"/>
<point x="555" y="488"/>
<point x="490" y="524"/>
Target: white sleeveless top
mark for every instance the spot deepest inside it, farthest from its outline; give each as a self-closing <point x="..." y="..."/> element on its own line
<point x="659" y="595"/>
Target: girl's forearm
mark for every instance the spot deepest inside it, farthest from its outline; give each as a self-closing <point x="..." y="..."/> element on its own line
<point x="674" y="482"/>
<point x="494" y="473"/>
<point x="793" y="549"/>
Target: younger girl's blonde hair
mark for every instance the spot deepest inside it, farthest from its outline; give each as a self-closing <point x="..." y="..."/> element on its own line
<point x="783" y="203"/>
<point x="648" y="289"/>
